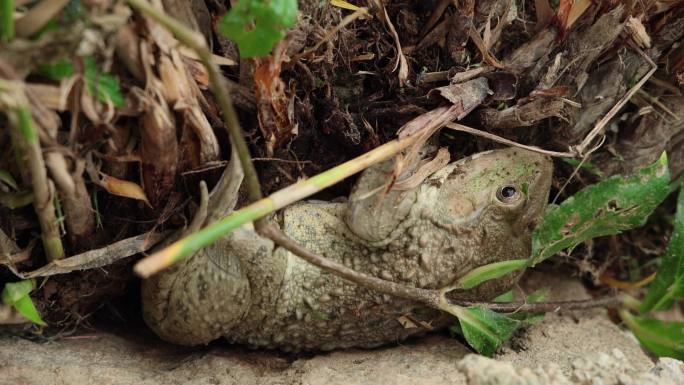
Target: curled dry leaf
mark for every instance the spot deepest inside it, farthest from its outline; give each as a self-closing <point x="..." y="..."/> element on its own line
<point x="122" y="188"/>
<point x="159" y="151"/>
<point x="275" y="107"/>
<point x="424" y="170"/>
<point x="401" y="62"/>
<point x="79" y="215"/>
<point x="637" y="32"/>
<point x="467" y="95"/>
<point x="38" y="16"/>
<point x="96" y="258"/>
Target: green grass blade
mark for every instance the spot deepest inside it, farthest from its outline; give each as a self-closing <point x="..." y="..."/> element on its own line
<point x="6" y="20"/>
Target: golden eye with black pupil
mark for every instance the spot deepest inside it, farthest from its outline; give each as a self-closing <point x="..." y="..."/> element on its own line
<point x="508" y="194"/>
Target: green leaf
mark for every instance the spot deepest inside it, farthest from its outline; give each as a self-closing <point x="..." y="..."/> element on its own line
<point x="505" y="297"/>
<point x="592" y="168"/>
<point x="491" y="271"/>
<point x="256" y="25"/>
<point x="16" y="294"/>
<point x="102" y="84"/>
<point x="486" y="330"/>
<point x="56" y="71"/>
<point x="16" y="200"/>
<point x="669" y="280"/>
<point x="664" y="338"/>
<point x="605" y="208"/>
<point x="527" y="318"/>
<point x="8" y="179"/>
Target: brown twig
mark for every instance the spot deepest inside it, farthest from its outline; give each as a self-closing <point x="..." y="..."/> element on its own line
<point x="546" y="307"/>
<point x="496" y="138"/>
<point x="432" y="298"/>
<point x="425" y="296"/>
<point x="598" y="128"/>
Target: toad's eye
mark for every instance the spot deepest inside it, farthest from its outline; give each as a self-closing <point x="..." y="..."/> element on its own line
<point x="508" y="194"/>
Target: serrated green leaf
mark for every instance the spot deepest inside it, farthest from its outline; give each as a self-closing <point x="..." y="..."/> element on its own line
<point x="104" y="85"/>
<point x="490" y="271"/>
<point x="256" y="25"/>
<point x="486" y="330"/>
<point x="56" y="71"/>
<point x="16" y="294"/>
<point x="664" y="338"/>
<point x="668" y="284"/>
<point x="605" y="208"/>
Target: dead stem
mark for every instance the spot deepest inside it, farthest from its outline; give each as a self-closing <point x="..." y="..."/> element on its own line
<point x="496" y="138"/>
<point x="424" y="296"/>
<point x="431" y="298"/>
<point x="598" y="128"/>
<point x="546" y="307"/>
<point x="29" y="156"/>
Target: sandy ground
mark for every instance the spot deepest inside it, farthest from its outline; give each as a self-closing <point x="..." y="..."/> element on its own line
<point x="578" y="348"/>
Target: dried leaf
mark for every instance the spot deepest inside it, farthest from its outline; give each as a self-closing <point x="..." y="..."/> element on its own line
<point x="275" y="107"/>
<point x="467" y="95"/>
<point x="96" y="258"/>
<point x="401" y="62"/>
<point x="424" y="171"/>
<point x="544" y="13"/>
<point x="38" y="16"/>
<point x="123" y="188"/>
<point x="637" y="31"/>
<point x="577" y="10"/>
<point x="159" y="151"/>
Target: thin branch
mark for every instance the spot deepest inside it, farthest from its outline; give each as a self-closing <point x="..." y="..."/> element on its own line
<point x="425" y="296"/>
<point x="431" y="298"/>
<point x="361" y="12"/>
<point x="546" y="307"/>
<point x="496" y="138"/>
<point x="598" y="128"/>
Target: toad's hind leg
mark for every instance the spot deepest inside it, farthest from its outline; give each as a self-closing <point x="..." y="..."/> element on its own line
<point x="200" y="299"/>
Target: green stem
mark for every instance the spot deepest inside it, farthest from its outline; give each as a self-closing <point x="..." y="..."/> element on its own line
<point x="630" y="302"/>
<point x="6" y="20"/>
<point x="300" y="190"/>
<point x="27" y="146"/>
<point x="218" y="86"/>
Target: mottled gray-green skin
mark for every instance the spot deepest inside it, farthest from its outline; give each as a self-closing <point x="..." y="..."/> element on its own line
<point x="246" y="290"/>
